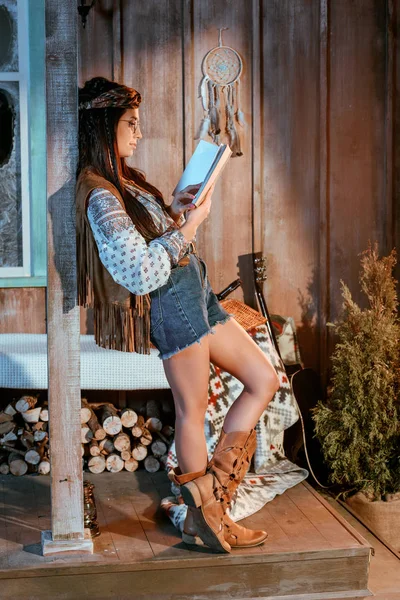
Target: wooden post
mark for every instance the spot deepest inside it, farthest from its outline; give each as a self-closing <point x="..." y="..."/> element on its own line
<point x="67" y="534"/>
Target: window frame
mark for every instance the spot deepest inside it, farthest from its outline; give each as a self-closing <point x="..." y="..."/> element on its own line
<point x="31" y="78"/>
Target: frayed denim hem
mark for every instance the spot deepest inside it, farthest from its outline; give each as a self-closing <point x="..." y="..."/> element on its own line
<point x="168" y="355"/>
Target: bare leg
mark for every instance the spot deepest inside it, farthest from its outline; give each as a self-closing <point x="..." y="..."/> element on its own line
<point x="232" y="349"/>
<point x="188" y="374"/>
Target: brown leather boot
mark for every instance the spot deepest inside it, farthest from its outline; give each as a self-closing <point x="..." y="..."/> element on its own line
<point x="236" y="535"/>
<point x="229" y="464"/>
<point x="202" y="493"/>
<point x="231" y="460"/>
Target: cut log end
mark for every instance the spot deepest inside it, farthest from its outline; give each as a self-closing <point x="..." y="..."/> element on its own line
<point x="122" y="442"/>
<point x="153" y="424"/>
<point x="131" y="465"/>
<point x="112" y="425"/>
<point x="44" y="467"/>
<point x="139" y="452"/>
<point x="97" y="464"/>
<point x="86" y="434"/>
<point x="151" y="464"/>
<point x="25" y="403"/>
<point x="18" y="467"/>
<point x="158" y="448"/>
<point x="128" y="417"/>
<point x="114" y="463"/>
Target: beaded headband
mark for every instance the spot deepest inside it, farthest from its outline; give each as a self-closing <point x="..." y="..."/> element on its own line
<point x="119" y="97"/>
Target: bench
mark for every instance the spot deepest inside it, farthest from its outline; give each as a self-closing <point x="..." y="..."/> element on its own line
<point x="23" y="362"/>
<point x="23" y="365"/>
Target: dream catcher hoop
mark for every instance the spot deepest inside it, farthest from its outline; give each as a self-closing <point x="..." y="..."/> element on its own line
<point x="222" y="67"/>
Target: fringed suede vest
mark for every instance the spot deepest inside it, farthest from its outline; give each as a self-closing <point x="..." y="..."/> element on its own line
<point x="121" y="319"/>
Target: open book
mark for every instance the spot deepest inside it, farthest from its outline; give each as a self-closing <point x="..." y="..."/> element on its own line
<point x="205" y="166"/>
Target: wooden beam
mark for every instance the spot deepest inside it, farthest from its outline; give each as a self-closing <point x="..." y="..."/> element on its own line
<point x="67" y="533"/>
<point x="257" y="127"/>
<point x="324" y="205"/>
<point x="390" y="238"/>
<point x="396" y="138"/>
<point x="117" y="59"/>
<point x="188" y="110"/>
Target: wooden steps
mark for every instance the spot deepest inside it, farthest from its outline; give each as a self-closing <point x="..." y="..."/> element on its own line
<point x="312" y="552"/>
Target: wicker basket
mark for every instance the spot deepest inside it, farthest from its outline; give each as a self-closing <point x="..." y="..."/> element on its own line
<point x="246" y="316"/>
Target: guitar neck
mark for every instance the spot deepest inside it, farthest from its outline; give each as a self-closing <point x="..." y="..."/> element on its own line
<point x="264" y="309"/>
<point x="265" y="313"/>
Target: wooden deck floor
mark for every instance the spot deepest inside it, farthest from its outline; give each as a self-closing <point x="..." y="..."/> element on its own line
<point x="311" y="552"/>
<point x="384" y="573"/>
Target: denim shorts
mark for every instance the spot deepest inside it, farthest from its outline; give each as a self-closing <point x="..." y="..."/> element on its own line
<point x="185" y="309"/>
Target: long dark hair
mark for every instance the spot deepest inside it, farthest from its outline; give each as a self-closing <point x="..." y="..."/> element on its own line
<point x="98" y="151"/>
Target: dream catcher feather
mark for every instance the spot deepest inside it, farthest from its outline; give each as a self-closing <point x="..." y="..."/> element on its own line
<point x="222" y="67"/>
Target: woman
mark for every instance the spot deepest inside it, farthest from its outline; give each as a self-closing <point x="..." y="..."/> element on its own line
<point x="139" y="270"/>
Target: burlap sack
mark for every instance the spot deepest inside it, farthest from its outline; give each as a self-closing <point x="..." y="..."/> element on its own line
<point x="382" y="517"/>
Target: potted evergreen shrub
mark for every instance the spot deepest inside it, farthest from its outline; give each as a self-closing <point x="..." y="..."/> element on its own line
<point x="359" y="424"/>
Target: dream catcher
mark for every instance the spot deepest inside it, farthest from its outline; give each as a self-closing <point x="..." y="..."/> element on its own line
<point x="222" y="67"/>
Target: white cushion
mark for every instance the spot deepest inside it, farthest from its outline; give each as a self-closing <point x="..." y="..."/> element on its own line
<point x="23" y="364"/>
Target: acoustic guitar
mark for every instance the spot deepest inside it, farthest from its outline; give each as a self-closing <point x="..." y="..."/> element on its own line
<point x="304" y="382"/>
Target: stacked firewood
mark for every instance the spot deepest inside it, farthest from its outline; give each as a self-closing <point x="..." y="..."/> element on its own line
<point x="24" y="438"/>
<point x="112" y="439"/>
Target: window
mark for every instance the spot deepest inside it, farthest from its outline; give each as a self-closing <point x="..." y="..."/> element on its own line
<point x="7" y="119"/>
<point x="22" y="144"/>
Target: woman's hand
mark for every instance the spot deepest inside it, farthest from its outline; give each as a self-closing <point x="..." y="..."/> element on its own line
<point x="195" y="217"/>
<point x="182" y="201"/>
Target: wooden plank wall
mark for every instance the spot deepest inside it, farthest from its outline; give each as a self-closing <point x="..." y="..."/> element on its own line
<point x="356" y="180"/>
<point x="290" y="163"/>
<point x="318" y="178"/>
<point x="23" y="310"/>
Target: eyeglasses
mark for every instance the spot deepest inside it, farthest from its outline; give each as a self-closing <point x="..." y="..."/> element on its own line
<point x="133" y="125"/>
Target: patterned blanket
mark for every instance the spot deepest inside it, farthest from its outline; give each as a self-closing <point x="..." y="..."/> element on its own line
<point x="271" y="472"/>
